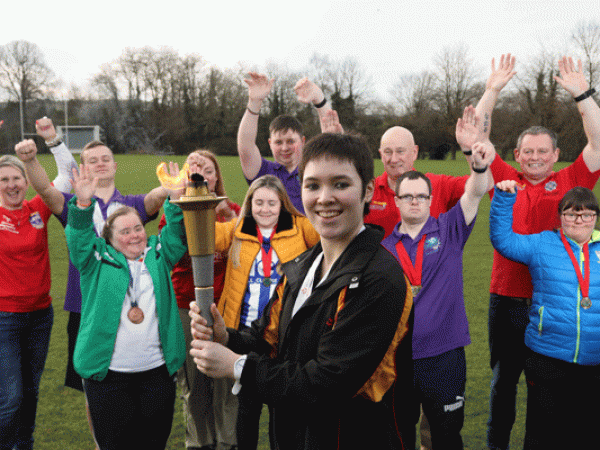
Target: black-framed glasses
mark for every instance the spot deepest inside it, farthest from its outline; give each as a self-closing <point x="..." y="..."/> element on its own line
<point x="585" y="217"/>
<point x="408" y="198"/>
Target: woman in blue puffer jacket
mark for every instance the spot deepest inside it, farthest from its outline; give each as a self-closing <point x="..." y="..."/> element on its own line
<point x="563" y="335"/>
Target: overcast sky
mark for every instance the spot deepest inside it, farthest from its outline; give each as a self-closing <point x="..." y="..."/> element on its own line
<point x="387" y="38"/>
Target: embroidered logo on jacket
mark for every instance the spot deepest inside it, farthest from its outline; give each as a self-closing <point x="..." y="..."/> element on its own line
<point x="550" y="186"/>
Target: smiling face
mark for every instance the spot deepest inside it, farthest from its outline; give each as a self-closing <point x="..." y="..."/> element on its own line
<point x="333" y="200"/>
<point x="398" y="151"/>
<point x="129" y="236"/>
<point x="266" y="206"/>
<point x="101" y="163"/>
<point x="13" y="187"/>
<point x="575" y="227"/>
<point x="205" y="167"/>
<point x="536" y="156"/>
<point x="286" y="146"/>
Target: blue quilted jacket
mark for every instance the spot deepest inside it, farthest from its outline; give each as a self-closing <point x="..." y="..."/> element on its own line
<point x="559" y="327"/>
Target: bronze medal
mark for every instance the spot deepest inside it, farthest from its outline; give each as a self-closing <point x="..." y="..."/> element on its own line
<point x="586" y="303"/>
<point x="135" y="315"/>
<point x="266" y="282"/>
<point x="415" y="290"/>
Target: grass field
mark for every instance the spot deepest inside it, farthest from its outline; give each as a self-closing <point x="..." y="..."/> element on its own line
<point x="61" y="421"/>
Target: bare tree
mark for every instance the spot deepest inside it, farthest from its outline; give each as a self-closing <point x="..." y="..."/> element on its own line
<point x="24" y="74"/>
<point x="587" y="38"/>
<point x="413" y="93"/>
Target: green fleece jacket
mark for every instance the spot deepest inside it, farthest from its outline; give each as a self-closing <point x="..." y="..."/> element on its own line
<point x="104" y="281"/>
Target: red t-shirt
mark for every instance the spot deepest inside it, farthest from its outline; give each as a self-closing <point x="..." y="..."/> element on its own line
<point x="183" y="277"/>
<point x="24" y="258"/>
<point x="445" y="190"/>
<point x="535" y="210"/>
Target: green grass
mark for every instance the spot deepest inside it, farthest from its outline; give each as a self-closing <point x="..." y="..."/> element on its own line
<point x="61" y="420"/>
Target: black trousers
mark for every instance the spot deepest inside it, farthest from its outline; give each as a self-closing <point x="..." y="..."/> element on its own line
<point x="132" y="410"/>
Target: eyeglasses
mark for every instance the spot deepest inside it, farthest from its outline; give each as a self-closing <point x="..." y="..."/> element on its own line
<point x="408" y="198"/>
<point x="585" y="217"/>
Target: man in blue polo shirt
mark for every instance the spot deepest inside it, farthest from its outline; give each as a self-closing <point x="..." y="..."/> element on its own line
<point x="430" y="251"/>
<point x="286" y="135"/>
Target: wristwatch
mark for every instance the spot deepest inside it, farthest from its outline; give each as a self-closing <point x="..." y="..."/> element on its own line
<point x="57" y="140"/>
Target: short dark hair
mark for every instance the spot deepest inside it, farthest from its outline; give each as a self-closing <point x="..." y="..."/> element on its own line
<point x="537" y="130"/>
<point x="412" y="175"/>
<point x="343" y="147"/>
<point x="579" y="198"/>
<point x="284" y="123"/>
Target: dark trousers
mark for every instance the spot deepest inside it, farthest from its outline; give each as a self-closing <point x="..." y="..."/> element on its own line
<point x="439" y="383"/>
<point x="132" y="410"/>
<point x="72" y="378"/>
<point x="507" y="321"/>
<point x="562" y="404"/>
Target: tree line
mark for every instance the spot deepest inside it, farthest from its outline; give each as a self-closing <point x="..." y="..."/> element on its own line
<point x="156" y="100"/>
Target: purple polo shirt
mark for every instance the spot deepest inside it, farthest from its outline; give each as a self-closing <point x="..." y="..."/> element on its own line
<point x="291" y="181"/>
<point x="440" y="318"/>
<point x="101" y="212"/>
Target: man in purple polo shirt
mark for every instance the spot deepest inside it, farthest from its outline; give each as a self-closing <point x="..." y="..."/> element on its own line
<point x="430" y="251"/>
<point x="286" y="135"/>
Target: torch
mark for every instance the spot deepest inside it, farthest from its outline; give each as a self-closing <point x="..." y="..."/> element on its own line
<point x="198" y="206"/>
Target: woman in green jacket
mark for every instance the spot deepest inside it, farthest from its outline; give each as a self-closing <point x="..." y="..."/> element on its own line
<point x="130" y="343"/>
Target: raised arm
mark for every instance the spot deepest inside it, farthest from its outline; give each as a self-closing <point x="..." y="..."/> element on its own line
<point x="495" y="83"/>
<point x="518" y="247"/>
<point x="63" y="157"/>
<point x="154" y="200"/>
<point x="469" y="130"/>
<point x="480" y="180"/>
<point x="26" y="151"/>
<point x="259" y="86"/>
<point x="573" y="81"/>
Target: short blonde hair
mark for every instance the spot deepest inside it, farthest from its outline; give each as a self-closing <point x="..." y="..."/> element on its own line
<point x="13" y="161"/>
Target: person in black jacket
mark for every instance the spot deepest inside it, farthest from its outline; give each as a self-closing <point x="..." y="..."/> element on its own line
<point x="326" y="354"/>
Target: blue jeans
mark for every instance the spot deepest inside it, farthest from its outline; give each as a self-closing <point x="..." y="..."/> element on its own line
<point x="507" y="321"/>
<point x="24" y="339"/>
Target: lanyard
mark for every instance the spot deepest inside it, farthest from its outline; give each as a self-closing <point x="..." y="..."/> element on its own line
<point x="584" y="279"/>
<point x="266" y="256"/>
<point x="413" y="272"/>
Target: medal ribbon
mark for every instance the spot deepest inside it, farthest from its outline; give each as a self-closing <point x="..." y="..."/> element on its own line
<point x="266" y="256"/>
<point x="413" y="272"/>
<point x="584" y="282"/>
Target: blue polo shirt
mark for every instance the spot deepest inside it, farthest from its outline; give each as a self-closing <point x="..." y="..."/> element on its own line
<point x="290" y="180"/>
<point x="440" y="319"/>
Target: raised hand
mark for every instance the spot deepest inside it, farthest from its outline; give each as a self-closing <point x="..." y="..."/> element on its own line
<point x="26" y="150"/>
<point x="176" y="190"/>
<point x="259" y="86"/>
<point x="499" y="77"/>
<point x="468" y="130"/>
<point x="330" y="122"/>
<point x="507" y="186"/>
<point x="308" y="92"/>
<point x="571" y="79"/>
<point x="84" y="185"/>
<point x="483" y="154"/>
<point x="45" y="128"/>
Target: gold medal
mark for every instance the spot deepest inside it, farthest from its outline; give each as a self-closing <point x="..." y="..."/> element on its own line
<point x="415" y="290"/>
<point x="135" y="315"/>
<point x="586" y="303"/>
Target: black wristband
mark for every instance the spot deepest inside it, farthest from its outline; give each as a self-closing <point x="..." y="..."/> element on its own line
<point x="321" y="103"/>
<point x="585" y="95"/>
<point x="467" y="152"/>
<point x="479" y="169"/>
<point x="252" y="112"/>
